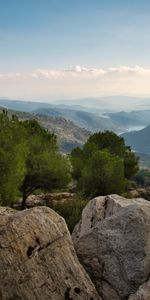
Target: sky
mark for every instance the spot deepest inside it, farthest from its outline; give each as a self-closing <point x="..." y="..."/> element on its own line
<point x="53" y="49"/>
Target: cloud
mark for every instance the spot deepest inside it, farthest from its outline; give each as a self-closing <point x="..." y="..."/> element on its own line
<point x="79" y="71"/>
<point x="75" y="81"/>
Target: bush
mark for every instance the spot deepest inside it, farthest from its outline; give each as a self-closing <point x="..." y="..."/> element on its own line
<point x="70" y="210"/>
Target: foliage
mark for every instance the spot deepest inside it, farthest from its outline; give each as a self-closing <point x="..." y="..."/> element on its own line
<point x="13" y="153"/>
<point x="29" y="159"/>
<point x="103" y="174"/>
<point x="70" y="210"/>
<point x="103" y="165"/>
<point x="142" y="178"/>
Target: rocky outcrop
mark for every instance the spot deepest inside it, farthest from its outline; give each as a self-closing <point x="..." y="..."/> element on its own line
<point x="38" y="260"/>
<point x="112" y="241"/>
<point x="48" y="199"/>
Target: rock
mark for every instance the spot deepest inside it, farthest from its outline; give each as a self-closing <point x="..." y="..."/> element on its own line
<point x="141" y="193"/>
<point x="46" y="199"/>
<point x="112" y="241"/>
<point x="37" y="258"/>
<point x="143" y="292"/>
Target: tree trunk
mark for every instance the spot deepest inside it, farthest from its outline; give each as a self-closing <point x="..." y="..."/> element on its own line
<point x="23" y="204"/>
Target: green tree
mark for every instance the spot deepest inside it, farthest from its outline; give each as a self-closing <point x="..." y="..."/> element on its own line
<point x="13" y="151"/>
<point x="83" y="161"/>
<point x="46" y="168"/>
<point x="77" y="160"/>
<point x="29" y="160"/>
<point x="103" y="174"/>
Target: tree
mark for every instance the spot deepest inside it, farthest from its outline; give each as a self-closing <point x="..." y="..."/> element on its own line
<point x="83" y="161"/>
<point x="114" y="144"/>
<point x="108" y="140"/>
<point x="29" y="160"/>
<point x="46" y="168"/>
<point x="13" y="150"/>
<point x="77" y="160"/>
<point x="103" y="174"/>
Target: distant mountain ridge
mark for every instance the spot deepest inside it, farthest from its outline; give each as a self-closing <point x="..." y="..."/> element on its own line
<point x="91" y="118"/>
<point x="139" y="140"/>
<point x="83" y="119"/>
<point x="133" y="118"/>
<point x="90" y="121"/>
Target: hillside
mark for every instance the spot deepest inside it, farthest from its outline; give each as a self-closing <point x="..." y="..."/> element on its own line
<point x="139" y="140"/>
<point x="91" y="121"/>
<point x="69" y="135"/>
<point x="133" y="119"/>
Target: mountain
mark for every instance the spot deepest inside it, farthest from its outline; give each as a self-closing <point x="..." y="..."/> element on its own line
<point x="88" y="113"/>
<point x="91" y="104"/>
<point x="25" y="106"/>
<point x="90" y="121"/>
<point x="139" y="140"/>
<point x="69" y="135"/>
<point x="110" y="103"/>
<point x="81" y="116"/>
<point x="139" y="118"/>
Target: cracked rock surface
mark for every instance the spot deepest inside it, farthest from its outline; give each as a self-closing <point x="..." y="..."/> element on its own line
<point x="38" y="260"/>
<point x="112" y="241"/>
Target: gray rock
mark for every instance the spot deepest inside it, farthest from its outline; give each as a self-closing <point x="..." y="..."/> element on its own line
<point x="112" y="241"/>
<point x="143" y="292"/>
<point x="37" y="258"/>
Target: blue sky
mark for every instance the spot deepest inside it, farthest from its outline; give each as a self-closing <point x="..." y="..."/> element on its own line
<point x="58" y="34"/>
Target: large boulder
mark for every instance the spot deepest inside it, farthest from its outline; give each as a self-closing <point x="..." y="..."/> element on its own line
<point x="112" y="241"/>
<point x="37" y="258"/>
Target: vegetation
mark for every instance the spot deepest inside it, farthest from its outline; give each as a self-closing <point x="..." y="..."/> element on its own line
<point x="29" y="160"/>
<point x="104" y="165"/>
<point x="142" y="178"/>
<point x="68" y="134"/>
<point x="70" y="210"/>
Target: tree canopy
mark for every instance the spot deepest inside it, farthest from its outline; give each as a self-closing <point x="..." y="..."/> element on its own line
<point x="104" y="164"/>
<point x="29" y="160"/>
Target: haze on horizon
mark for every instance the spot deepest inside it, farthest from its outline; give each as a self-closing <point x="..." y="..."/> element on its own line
<point x="68" y="49"/>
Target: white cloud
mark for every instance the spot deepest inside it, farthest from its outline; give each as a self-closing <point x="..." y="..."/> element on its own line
<point x="78" y="71"/>
<point x="76" y="81"/>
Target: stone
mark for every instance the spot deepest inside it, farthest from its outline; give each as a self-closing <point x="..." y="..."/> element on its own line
<point x="112" y="241"/>
<point x="38" y="260"/>
<point x="143" y="292"/>
<point x="47" y="199"/>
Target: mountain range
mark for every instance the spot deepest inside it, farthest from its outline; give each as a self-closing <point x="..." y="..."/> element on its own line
<point x="93" y="114"/>
<point x="89" y="120"/>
